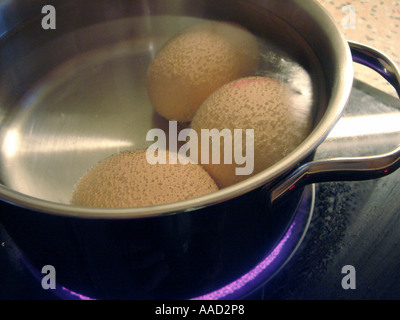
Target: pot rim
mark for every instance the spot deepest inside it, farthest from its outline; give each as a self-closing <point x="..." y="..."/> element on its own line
<point x="340" y="94"/>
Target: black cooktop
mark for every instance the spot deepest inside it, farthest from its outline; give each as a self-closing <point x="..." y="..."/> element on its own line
<point x="354" y="224"/>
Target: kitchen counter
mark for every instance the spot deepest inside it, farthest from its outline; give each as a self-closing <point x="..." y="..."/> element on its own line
<point x="372" y="22"/>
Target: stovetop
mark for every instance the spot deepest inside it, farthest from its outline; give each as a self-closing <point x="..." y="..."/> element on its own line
<point x="353" y="223"/>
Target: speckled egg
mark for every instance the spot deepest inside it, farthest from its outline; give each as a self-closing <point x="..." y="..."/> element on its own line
<point x="195" y="63"/>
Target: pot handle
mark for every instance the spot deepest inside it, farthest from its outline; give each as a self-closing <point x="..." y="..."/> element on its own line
<point x="354" y="168"/>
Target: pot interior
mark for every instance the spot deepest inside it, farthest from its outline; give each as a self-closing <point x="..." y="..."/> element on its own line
<point x="72" y="96"/>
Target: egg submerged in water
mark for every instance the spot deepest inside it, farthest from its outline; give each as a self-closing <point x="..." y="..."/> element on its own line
<point x="262" y="104"/>
<point x="127" y="179"/>
<point x="195" y="63"/>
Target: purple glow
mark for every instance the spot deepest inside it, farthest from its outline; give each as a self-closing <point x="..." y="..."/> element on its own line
<point x="249" y="276"/>
<point x="233" y="286"/>
<point x="75" y="294"/>
<point x="262" y="271"/>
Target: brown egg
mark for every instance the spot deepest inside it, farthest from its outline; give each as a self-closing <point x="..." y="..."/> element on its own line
<point x="195" y="63"/>
<point x="259" y="103"/>
<point x="128" y="180"/>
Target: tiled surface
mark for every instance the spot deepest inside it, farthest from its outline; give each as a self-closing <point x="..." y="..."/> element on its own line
<point x="372" y="22"/>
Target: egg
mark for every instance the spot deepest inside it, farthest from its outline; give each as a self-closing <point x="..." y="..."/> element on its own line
<point x="195" y="63"/>
<point x="127" y="179"/>
<point x="262" y="104"/>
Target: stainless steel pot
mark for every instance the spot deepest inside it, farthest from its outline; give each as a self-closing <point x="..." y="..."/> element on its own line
<point x="50" y="137"/>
